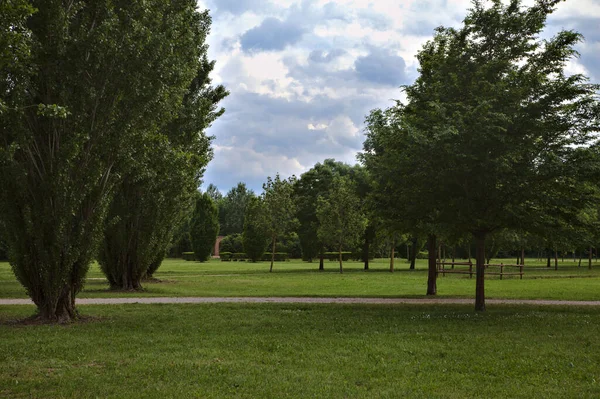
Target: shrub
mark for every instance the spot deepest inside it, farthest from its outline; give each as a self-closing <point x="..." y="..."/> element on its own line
<point x="239" y="256"/>
<point x="279" y="256"/>
<point x="226" y="256"/>
<point x="232" y="243"/>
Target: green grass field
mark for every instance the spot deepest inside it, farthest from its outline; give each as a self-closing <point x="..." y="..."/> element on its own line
<point x="317" y="350"/>
<point x="302" y="351"/>
<point x="296" y="278"/>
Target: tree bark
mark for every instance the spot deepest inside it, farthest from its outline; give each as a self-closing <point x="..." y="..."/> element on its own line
<point x="522" y="256"/>
<point x="341" y="264"/>
<point x="480" y="272"/>
<point x="413" y="255"/>
<point x="432" y="266"/>
<point x="273" y="254"/>
<point x="393" y="254"/>
<point x="366" y="252"/>
<point x="555" y="259"/>
<point x="321" y="262"/>
<point x="549" y="261"/>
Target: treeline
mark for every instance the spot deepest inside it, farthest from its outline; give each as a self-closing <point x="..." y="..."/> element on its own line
<point x="494" y="143"/>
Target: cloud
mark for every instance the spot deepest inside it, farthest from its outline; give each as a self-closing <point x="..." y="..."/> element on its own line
<point x="238" y="7"/>
<point x="321" y="56"/>
<point x="303" y="74"/>
<point x="271" y="34"/>
<point x="382" y="67"/>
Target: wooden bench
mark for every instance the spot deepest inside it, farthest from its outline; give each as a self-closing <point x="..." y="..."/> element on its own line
<point x="441" y="268"/>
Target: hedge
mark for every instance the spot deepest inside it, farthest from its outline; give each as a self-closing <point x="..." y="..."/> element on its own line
<point x="279" y="257"/>
<point x="239" y="256"/>
<point x="188" y="256"/>
<point x="335" y="256"/>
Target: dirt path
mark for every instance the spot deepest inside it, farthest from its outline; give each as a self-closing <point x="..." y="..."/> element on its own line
<point x="387" y="301"/>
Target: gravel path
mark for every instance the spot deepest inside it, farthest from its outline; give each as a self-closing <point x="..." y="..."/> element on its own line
<point x="388" y="301"/>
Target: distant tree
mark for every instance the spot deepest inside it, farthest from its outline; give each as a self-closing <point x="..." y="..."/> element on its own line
<point x="232" y="209"/>
<point x="280" y="209"/>
<point x="404" y="169"/>
<point x="204" y="227"/>
<point x="341" y="220"/>
<point x="232" y="243"/>
<point x="255" y="237"/>
<point x="312" y="184"/>
<point x="214" y="193"/>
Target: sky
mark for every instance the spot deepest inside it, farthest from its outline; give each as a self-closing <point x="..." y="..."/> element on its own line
<point x="303" y="74"/>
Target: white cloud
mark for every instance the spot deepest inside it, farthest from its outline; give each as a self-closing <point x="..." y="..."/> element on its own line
<point x="291" y="108"/>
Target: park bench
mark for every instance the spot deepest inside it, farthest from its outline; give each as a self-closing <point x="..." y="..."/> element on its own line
<point x="441" y="268"/>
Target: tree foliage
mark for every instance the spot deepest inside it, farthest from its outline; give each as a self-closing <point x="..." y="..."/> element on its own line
<point x="255" y="237"/>
<point x="168" y="162"/>
<point x="232" y="209"/>
<point x="204" y="227"/>
<point x="96" y="74"/>
<point x="314" y="183"/>
<point x="499" y="121"/>
<point x="280" y="209"/>
<point x="341" y="218"/>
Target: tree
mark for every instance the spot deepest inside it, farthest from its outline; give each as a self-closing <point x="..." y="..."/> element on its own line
<point x="255" y="237"/>
<point x="341" y="220"/>
<point x="280" y="209"/>
<point x="169" y="163"/>
<point x="403" y="167"/>
<point x="204" y="227"/>
<point x="96" y="75"/>
<point x="312" y="184"/>
<point x="214" y="193"/>
<point x="503" y="120"/>
<point x="232" y="209"/>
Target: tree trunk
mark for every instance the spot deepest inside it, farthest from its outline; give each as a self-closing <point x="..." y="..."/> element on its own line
<point x="522" y="256"/>
<point x="555" y="259"/>
<point x="549" y="260"/>
<point x="580" y="256"/>
<point x="432" y="266"/>
<point x="272" y="253"/>
<point x="60" y="309"/>
<point x="321" y="262"/>
<point x="341" y="264"/>
<point x="393" y="255"/>
<point x="469" y="252"/>
<point x="366" y="253"/>
<point x="413" y="255"/>
<point x="480" y="269"/>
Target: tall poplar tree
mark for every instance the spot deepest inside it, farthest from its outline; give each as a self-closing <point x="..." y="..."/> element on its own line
<point x="90" y="76"/>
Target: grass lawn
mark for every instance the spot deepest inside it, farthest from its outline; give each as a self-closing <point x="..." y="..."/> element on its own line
<point x="324" y="351"/>
<point x="296" y="278"/>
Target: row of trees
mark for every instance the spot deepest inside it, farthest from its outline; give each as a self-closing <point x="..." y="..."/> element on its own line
<point x="493" y="135"/>
<point x="493" y="138"/>
<point x="103" y="109"/>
